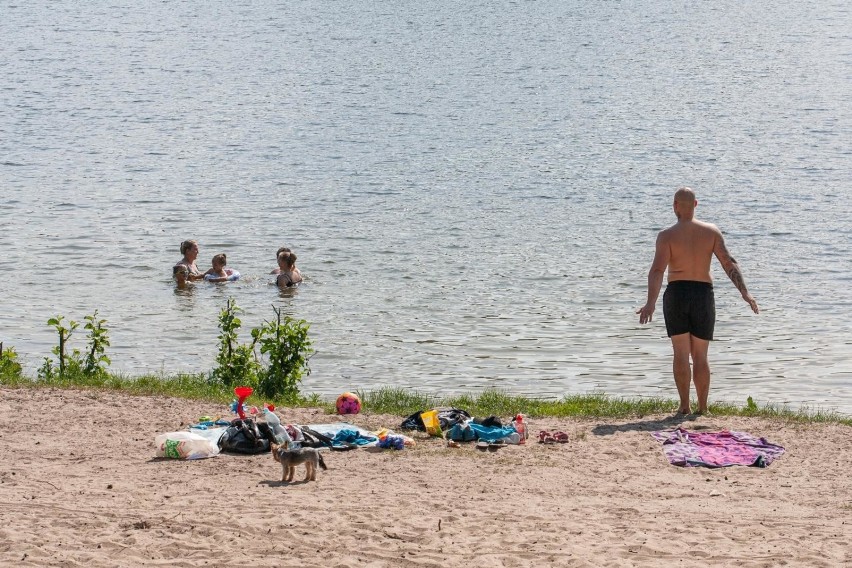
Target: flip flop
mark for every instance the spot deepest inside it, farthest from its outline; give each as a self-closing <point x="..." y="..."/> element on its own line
<point x="560" y="437"/>
<point x="545" y="437"/>
<point x="482" y="445"/>
<point x="496" y="445"/>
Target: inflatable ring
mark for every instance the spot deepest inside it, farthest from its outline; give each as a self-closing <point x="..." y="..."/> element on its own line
<point x="233" y="275"/>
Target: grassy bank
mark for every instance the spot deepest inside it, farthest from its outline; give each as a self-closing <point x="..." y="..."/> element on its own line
<point x="403" y="401"/>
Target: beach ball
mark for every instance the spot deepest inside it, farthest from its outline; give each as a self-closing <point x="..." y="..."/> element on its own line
<point x="348" y="403"/>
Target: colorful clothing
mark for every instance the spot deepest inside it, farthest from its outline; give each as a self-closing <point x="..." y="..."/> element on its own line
<point x="716" y="449"/>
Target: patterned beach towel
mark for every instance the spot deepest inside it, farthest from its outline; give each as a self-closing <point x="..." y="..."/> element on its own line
<point x="716" y="449"/>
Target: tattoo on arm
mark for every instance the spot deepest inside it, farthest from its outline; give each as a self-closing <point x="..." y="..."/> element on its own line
<point x="737" y="278"/>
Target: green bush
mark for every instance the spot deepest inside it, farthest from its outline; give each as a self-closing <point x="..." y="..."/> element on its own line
<point x="96" y="361"/>
<point x="287" y="349"/>
<point x="10" y="369"/>
<point x="74" y="367"/>
<point x="236" y="364"/>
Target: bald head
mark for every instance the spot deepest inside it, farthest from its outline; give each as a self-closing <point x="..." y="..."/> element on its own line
<point x="684" y="203"/>
<point x="685" y="194"/>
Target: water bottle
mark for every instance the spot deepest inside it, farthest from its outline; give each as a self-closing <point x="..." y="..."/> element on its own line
<point x="520" y="428"/>
<point x="278" y="431"/>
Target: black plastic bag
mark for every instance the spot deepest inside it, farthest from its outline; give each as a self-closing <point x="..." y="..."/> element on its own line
<point x="244" y="437"/>
<point x="447" y="417"/>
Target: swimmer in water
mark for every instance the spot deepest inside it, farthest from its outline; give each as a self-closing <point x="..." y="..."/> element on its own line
<point x="189" y="250"/>
<point x="218" y="273"/>
<point x="181" y="275"/>
<point x="288" y="275"/>
<point x="278" y="252"/>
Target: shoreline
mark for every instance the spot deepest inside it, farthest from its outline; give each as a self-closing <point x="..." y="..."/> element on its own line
<point x="84" y="488"/>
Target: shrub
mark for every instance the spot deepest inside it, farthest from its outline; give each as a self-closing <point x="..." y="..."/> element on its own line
<point x="287" y="349"/>
<point x="74" y="367"/>
<point x="10" y="369"/>
<point x="236" y="364"/>
<point x="96" y="361"/>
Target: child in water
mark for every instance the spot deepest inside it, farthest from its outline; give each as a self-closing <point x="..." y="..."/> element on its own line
<point x="288" y="274"/>
<point x="219" y="273"/>
<point x="279" y="251"/>
<point x="181" y="275"/>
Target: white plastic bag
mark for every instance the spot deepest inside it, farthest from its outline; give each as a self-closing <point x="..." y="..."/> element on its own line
<point x="185" y="446"/>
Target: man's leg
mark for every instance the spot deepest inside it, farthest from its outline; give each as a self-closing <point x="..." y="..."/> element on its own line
<point x="680" y="368"/>
<point x="700" y="370"/>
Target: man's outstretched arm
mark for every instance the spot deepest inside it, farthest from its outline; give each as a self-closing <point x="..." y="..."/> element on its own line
<point x="732" y="269"/>
<point x="655" y="278"/>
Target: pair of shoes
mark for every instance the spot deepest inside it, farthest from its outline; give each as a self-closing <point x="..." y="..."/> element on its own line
<point x="545" y="437"/>
<point x="482" y="445"/>
<point x="558" y="437"/>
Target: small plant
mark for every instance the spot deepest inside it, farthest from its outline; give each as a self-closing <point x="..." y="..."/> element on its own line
<point x="48" y="371"/>
<point x="236" y="364"/>
<point x="287" y="349"/>
<point x="10" y="369"/>
<point x="96" y="361"/>
<point x="74" y="366"/>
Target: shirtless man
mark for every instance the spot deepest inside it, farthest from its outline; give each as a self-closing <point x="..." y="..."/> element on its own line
<point x="686" y="249"/>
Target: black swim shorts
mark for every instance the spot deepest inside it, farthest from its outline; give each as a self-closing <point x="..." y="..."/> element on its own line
<point x="689" y="307"/>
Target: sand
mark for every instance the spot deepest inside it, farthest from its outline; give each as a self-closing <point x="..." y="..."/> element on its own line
<point x="79" y="486"/>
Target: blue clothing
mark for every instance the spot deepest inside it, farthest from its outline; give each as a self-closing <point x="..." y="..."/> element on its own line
<point x="344" y="437"/>
<point x="491" y="433"/>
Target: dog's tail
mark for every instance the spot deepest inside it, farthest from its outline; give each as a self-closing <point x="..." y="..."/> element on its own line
<point x="321" y="461"/>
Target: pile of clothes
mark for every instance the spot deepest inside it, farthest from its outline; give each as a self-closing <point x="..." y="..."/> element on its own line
<point x="458" y="425"/>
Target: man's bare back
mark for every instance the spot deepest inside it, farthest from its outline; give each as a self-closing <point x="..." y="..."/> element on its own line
<point x="691" y="245"/>
<point x="685" y="250"/>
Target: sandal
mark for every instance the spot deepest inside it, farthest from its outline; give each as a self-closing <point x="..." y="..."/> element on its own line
<point x="482" y="445"/>
<point x="560" y="437"/>
<point x="545" y="437"/>
<point x="496" y="445"/>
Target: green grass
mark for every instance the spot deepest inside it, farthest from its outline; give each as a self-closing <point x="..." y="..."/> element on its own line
<point x="181" y="385"/>
<point x="403" y="402"/>
<point x="493" y="402"/>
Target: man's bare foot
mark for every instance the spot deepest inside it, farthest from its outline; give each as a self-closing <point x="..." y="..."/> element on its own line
<point x="682" y="412"/>
<point x="704" y="412"/>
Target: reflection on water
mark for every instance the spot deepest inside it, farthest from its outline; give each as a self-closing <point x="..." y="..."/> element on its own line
<point x="473" y="191"/>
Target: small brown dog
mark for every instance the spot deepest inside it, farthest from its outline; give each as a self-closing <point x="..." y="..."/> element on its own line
<point x="289" y="459"/>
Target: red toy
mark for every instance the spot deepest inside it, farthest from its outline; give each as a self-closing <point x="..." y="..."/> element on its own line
<point x="242" y="394"/>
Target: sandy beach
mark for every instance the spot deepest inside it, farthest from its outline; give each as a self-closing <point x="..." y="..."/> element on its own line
<point x="80" y="486"/>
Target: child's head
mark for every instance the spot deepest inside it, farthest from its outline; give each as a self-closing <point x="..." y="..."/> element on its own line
<point x="287" y="259"/>
<point x="180" y="273"/>
<point x="279" y="251"/>
<point x="220" y="260"/>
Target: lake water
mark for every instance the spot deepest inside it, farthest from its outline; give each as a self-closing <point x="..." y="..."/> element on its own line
<point x="473" y="189"/>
